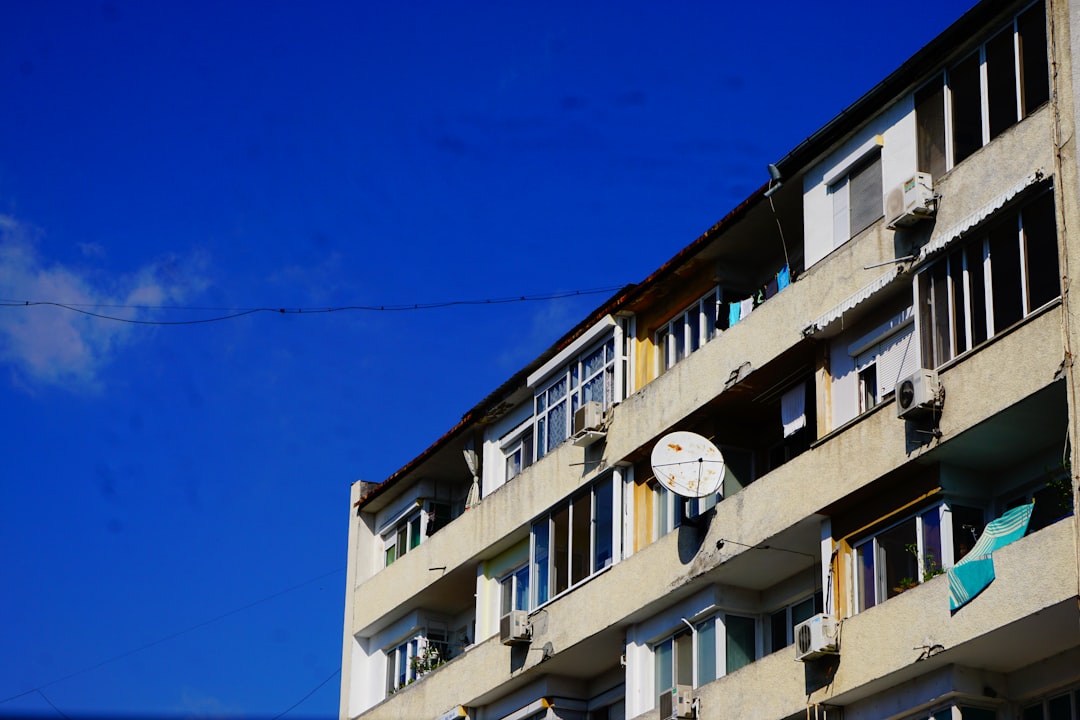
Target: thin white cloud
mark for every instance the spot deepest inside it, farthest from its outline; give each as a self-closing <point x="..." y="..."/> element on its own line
<point x="53" y="345"/>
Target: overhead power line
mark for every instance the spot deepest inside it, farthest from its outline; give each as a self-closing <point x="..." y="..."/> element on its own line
<point x="231" y="313"/>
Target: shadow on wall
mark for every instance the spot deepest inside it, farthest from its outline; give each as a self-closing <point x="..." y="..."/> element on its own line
<point x="692" y="533"/>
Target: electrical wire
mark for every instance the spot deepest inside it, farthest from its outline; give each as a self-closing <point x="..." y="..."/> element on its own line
<point x="52" y="705"/>
<point x="231" y="313"/>
<point x="313" y="691"/>
<point x="171" y="636"/>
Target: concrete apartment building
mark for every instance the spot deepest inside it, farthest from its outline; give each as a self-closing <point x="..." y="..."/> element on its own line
<point x="529" y="565"/>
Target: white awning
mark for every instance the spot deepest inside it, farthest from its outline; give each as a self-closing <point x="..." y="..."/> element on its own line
<point x="851" y="301"/>
<point x="957" y="230"/>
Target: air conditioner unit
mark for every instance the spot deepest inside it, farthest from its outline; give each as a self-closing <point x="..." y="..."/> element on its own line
<point x="816" y="637"/>
<point x="514" y="628"/>
<point x="677" y="703"/>
<point x="918" y="394"/>
<point x="911" y="201"/>
<point x="588" y="424"/>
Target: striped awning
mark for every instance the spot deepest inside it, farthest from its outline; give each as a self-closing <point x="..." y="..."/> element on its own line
<point x="959" y="229"/>
<point x="857" y="298"/>
<point x="975" y="571"/>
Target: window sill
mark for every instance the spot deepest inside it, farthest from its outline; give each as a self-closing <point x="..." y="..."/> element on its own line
<point x="570" y="589"/>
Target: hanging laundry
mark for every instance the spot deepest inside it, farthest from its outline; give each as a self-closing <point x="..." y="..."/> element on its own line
<point x="771" y="289"/>
<point x="747" y="307"/>
<point x="793" y="409"/>
<point x="734" y="310"/>
<point x="783" y="278"/>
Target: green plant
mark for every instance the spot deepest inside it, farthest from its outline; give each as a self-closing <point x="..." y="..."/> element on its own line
<point x="426" y="661"/>
<point x="929" y="568"/>
<point x="905" y="583"/>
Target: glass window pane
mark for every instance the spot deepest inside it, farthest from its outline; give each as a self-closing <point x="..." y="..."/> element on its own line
<point x="932" y="561"/>
<point x="897" y="549"/>
<point x="740" y="642"/>
<point x="662" y="658"/>
<point x="593" y="362"/>
<point x="541" y="570"/>
<point x="414" y="532"/>
<point x="693" y="328"/>
<point x="959" y="300"/>
<point x="930" y="124"/>
<point x="1040" y="246"/>
<point x="778" y="630"/>
<point x="560" y="544"/>
<point x="593" y="390"/>
<point x="967" y="525"/>
<point x="802" y="611"/>
<point x="1001" y="82"/>
<point x="1034" y="72"/>
<point x="976" y="277"/>
<point x="706" y="652"/>
<point x="864" y="568"/>
<point x="521" y="588"/>
<point x="580" y="565"/>
<point x="684" y="659"/>
<point x="678" y="335"/>
<point x="966" y="107"/>
<point x="605" y="525"/>
<point x="556" y="425"/>
<point x="1005" y="274"/>
<point x="940" y="293"/>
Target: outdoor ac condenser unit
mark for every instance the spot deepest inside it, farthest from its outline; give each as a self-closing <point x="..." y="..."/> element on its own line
<point x="588" y="426"/>
<point x="514" y="628"/>
<point x="910" y="201"/>
<point x="918" y="394"/>
<point x="816" y="637"/>
<point x="677" y="703"/>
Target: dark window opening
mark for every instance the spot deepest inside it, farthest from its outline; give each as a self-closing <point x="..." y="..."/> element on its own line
<point x="1034" y="71"/>
<point x="1005" y="274"/>
<point x="1001" y="82"/>
<point x="1040" y="247"/>
<point x="930" y="128"/>
<point x="966" y="108"/>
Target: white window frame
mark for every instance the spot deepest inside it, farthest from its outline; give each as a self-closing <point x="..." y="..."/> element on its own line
<point x="676" y="339"/>
<point x="839" y="189"/>
<point x="943" y="79"/>
<point x="518" y="442"/>
<point x="566" y="390"/>
<point x="719" y="623"/>
<point x="927" y="294"/>
<point x="924" y="559"/>
<point x="893" y="354"/>
<point x="544" y="526"/>
<point x="411" y="526"/>
<point x="772" y="642"/>
<point x="510" y="586"/>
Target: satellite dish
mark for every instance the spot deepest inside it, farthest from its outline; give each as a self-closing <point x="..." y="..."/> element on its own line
<point x="688" y="465"/>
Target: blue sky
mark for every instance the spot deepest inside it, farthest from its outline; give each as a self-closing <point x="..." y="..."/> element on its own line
<point x="174" y="497"/>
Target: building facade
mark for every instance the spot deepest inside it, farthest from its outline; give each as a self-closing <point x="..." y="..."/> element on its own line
<point x="879" y="342"/>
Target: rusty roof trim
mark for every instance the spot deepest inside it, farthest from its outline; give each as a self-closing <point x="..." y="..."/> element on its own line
<point x="620" y="299"/>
